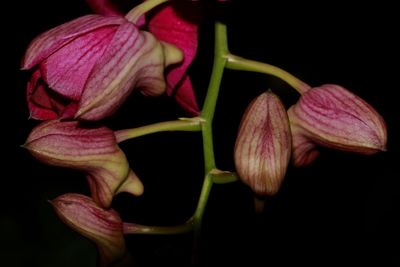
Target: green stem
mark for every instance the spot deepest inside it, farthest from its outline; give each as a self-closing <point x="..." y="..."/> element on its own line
<point x="132" y="228"/>
<point x="193" y="124"/>
<point x="220" y="52"/>
<point x="239" y="63"/>
<point x="223" y="177"/>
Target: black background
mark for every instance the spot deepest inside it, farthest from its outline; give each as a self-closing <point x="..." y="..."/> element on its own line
<point x="339" y="210"/>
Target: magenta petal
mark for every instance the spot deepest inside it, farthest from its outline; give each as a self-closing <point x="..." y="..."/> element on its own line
<point x="67" y="70"/>
<point x="39" y="102"/>
<point x="48" y="42"/>
<point x="167" y="26"/>
<point x="104" y="7"/>
<point x="185" y="97"/>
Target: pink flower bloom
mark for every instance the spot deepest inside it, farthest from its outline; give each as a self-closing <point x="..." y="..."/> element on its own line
<point x="263" y="145"/>
<point x="333" y="117"/>
<point x="92" y="150"/>
<point x="169" y="26"/>
<point x="87" y="67"/>
<point x="103" y="227"/>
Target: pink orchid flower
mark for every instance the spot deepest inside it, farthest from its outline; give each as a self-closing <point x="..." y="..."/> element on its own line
<point x="103" y="227"/>
<point x="87" y="67"/>
<point x="92" y="150"/>
<point x="333" y="117"/>
<point x="169" y="26"/>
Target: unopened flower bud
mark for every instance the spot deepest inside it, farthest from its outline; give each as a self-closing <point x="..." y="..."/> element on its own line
<point x="103" y="227"/>
<point x="333" y="117"/>
<point x="263" y="145"/>
<point x="92" y="150"/>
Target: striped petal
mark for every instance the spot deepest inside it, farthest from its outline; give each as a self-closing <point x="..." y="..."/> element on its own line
<point x="263" y="145"/>
<point x="103" y="227"/>
<point x="334" y="117"/>
<point x="133" y="59"/>
<point x="67" y="69"/>
<point x="49" y="42"/>
<point x="93" y="150"/>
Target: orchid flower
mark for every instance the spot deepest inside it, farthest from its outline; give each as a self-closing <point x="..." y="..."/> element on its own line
<point x="103" y="227"/>
<point x="333" y="117"/>
<point x="87" y="67"/>
<point x="92" y="150"/>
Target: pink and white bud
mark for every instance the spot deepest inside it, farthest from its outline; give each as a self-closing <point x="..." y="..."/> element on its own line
<point x="333" y="117"/>
<point x="103" y="227"/>
<point x="92" y="150"/>
<point x="263" y="145"/>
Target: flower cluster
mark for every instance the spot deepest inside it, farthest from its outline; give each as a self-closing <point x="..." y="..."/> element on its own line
<point x="83" y="71"/>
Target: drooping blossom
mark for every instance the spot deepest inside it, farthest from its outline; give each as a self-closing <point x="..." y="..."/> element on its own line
<point x="103" y="227"/>
<point x="333" y="117"/>
<point x="87" y="67"/>
<point x="92" y="150"/>
<point x="263" y="145"/>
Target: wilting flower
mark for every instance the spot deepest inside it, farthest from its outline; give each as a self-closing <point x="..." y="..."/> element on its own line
<point x="92" y="150"/>
<point x="175" y="23"/>
<point x="333" y="117"/>
<point x="103" y="227"/>
<point x="263" y="145"/>
<point x="87" y="67"/>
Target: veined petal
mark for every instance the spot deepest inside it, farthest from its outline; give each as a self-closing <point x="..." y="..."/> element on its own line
<point x="263" y="145"/>
<point x="48" y="42"/>
<point x="132" y="59"/>
<point x="67" y="69"/>
<point x="64" y="144"/>
<point x="304" y="150"/>
<point x="103" y="227"/>
<point x="334" y="117"/>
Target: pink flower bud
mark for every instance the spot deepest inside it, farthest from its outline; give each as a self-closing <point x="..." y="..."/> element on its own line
<point x="333" y="117"/>
<point x="103" y="227"/>
<point x="93" y="150"/>
<point x="87" y="67"/>
<point x="263" y="145"/>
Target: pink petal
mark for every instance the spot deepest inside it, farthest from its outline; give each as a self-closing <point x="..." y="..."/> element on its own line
<point x="39" y="101"/>
<point x="167" y="26"/>
<point x="67" y="70"/>
<point x="52" y="40"/>
<point x="104" y="7"/>
<point x="185" y="96"/>
<point x="131" y="59"/>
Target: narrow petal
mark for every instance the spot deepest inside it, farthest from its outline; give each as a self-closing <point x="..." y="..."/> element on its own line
<point x="263" y="145"/>
<point x="132" y="59"/>
<point x="170" y="27"/>
<point x="48" y="42"/>
<point x="67" y="70"/>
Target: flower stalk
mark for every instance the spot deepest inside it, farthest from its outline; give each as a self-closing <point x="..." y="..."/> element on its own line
<point x="239" y="63"/>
